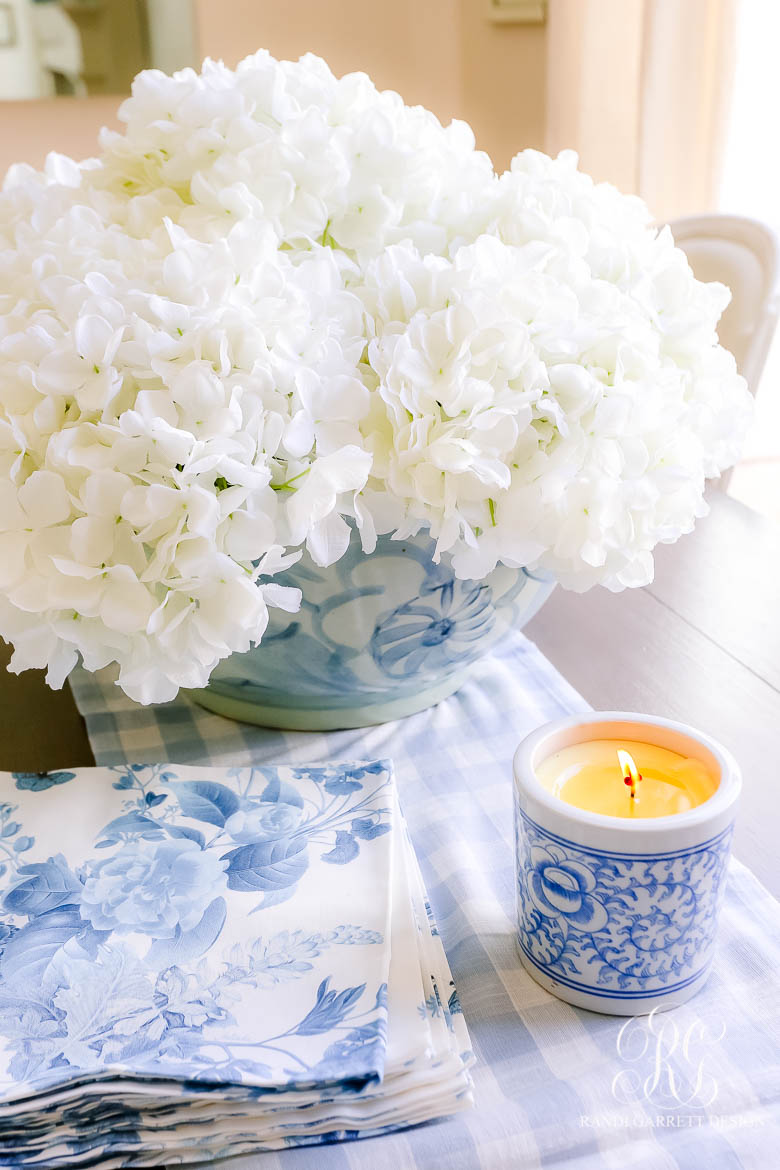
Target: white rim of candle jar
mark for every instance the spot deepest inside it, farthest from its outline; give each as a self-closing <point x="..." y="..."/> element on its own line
<point x="542" y="743"/>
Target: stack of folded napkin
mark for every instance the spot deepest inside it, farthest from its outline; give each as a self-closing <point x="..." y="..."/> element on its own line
<point x="198" y="962"/>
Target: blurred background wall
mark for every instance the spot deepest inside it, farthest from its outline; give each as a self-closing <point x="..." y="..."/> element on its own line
<point x="443" y="54"/>
<point x="447" y="55"/>
<point x="640" y="88"/>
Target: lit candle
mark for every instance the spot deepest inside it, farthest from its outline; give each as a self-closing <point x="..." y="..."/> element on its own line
<point x="623" y="825"/>
<point x="626" y="778"/>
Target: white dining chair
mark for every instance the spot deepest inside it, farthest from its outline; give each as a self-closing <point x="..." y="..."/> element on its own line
<point x="745" y="255"/>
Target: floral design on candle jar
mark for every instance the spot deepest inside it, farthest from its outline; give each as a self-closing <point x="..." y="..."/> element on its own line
<point x="621" y="923"/>
<point x="618" y="892"/>
<point x="561" y="888"/>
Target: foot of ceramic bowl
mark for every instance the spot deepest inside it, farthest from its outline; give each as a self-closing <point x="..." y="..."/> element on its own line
<point x="611" y="1005"/>
<point x="298" y="717"/>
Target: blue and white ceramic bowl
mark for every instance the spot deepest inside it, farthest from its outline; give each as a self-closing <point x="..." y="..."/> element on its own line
<point x="615" y="915"/>
<point x="377" y="637"/>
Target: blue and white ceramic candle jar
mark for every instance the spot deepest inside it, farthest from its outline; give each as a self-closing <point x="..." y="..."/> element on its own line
<point x="620" y="915"/>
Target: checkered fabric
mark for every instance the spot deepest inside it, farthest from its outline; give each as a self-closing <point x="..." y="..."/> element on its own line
<point x="556" y="1087"/>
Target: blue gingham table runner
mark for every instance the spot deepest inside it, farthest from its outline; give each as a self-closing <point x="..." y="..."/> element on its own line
<point x="554" y="1086"/>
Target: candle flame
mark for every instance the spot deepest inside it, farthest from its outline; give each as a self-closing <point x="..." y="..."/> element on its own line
<point x="630" y="770"/>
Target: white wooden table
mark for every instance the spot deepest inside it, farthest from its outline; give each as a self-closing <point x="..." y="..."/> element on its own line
<point x="702" y="644"/>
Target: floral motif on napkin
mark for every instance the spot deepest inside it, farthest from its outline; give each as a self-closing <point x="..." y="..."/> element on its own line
<point x="146" y="928"/>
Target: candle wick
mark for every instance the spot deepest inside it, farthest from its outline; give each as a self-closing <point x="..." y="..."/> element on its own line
<point x="631" y="775"/>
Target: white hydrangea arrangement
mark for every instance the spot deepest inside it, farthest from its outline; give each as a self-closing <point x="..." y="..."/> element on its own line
<point x="280" y="303"/>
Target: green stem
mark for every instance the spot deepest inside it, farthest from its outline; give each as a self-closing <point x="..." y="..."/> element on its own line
<point x="492" y="510"/>
<point x="285" y="487"/>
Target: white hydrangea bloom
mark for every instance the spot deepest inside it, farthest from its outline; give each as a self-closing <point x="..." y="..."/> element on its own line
<point x="280" y="301"/>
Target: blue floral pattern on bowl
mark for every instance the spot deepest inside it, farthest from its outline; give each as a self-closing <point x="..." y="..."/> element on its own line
<point x="617" y="925"/>
<point x="435" y="631"/>
<point x="377" y="637"/>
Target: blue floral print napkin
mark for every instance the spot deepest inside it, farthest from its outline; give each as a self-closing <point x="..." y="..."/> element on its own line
<point x="197" y="962"/>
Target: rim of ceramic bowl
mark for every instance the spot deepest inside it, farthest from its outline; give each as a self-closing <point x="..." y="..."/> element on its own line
<point x="560" y="733"/>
